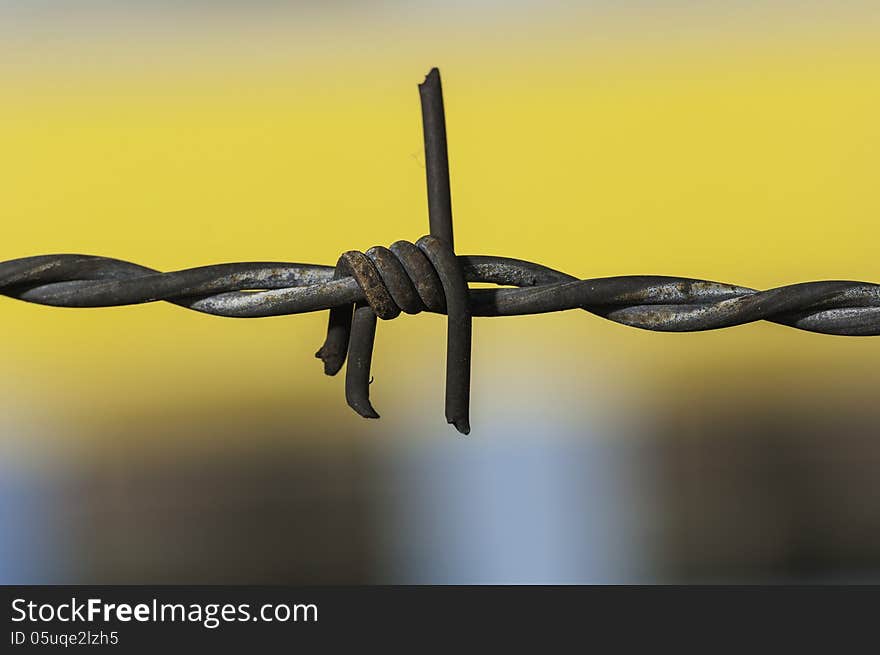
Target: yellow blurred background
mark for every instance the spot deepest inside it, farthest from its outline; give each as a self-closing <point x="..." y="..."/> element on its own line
<point x="730" y="141"/>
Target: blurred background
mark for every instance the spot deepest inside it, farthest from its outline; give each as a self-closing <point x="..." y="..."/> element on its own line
<point x="734" y="141"/>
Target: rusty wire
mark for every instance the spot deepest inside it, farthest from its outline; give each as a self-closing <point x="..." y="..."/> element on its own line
<point x="428" y="276"/>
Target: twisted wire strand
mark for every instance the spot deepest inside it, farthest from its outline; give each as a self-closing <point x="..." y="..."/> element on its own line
<point x="261" y="289"/>
<point x="428" y="276"/>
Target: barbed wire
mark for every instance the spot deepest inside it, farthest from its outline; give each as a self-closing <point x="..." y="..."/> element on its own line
<point x="428" y="276"/>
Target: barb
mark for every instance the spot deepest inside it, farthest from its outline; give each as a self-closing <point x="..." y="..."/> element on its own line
<point x="429" y="276"/>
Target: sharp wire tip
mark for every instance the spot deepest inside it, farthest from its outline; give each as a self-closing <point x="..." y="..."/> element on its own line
<point x="461" y="424"/>
<point x="365" y="411"/>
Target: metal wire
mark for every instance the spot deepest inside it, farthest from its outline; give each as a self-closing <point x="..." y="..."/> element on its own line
<point x="429" y="276"/>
